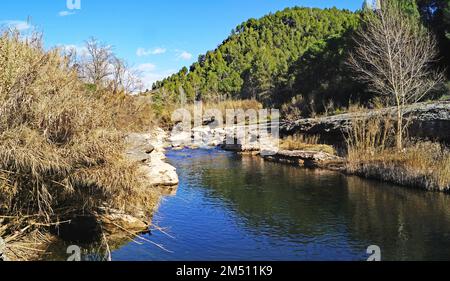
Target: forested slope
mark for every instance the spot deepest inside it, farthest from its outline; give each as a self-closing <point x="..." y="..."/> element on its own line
<point x="259" y="58"/>
<point x="294" y="59"/>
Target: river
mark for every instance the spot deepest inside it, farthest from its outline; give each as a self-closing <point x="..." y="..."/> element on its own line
<point x="233" y="207"/>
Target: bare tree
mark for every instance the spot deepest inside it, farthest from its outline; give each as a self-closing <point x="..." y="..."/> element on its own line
<point x="394" y="54"/>
<point x="119" y="71"/>
<point x="124" y="78"/>
<point x="97" y="62"/>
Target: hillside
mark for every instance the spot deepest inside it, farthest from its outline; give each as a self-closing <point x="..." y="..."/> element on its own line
<point x="260" y="59"/>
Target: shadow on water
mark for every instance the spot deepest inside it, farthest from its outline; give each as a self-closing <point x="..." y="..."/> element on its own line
<point x="232" y="207"/>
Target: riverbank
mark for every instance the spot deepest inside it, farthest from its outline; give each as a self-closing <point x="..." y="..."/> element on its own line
<point x="147" y="150"/>
<point x="107" y="226"/>
<point x="424" y="165"/>
<point x="63" y="162"/>
<point x="426" y="121"/>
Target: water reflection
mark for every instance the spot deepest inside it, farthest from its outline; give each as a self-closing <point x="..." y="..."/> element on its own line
<point x="231" y="207"/>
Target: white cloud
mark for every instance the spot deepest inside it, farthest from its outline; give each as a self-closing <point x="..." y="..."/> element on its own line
<point x="142" y="52"/>
<point x="80" y="50"/>
<point x="146" y="67"/>
<point x="184" y="55"/>
<point x="16" y="24"/>
<point x="149" y="74"/>
<point x="65" y="13"/>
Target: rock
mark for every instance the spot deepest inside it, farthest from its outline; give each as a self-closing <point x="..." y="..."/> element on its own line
<point x="310" y="159"/>
<point x="138" y="147"/>
<point x="149" y="149"/>
<point x="180" y="139"/>
<point x="253" y="144"/>
<point x="180" y="136"/>
<point x="158" y="139"/>
<point x="208" y="120"/>
<point x="211" y="136"/>
<point x="160" y="173"/>
<point x="429" y="120"/>
<point x="3" y="250"/>
<point x="251" y="147"/>
<point x="116" y="221"/>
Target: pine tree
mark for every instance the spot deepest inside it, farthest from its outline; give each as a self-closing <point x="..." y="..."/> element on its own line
<point x="410" y="7"/>
<point x="255" y="60"/>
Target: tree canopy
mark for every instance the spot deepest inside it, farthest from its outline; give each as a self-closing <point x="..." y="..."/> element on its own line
<point x="257" y="59"/>
<point x="292" y="58"/>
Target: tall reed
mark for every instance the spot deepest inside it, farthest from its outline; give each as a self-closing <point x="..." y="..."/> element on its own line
<point x="61" y="152"/>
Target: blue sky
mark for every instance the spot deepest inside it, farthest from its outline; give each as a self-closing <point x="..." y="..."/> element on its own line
<point x="158" y="37"/>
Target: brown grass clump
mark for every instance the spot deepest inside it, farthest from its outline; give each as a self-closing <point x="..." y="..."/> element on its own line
<point x="130" y="113"/>
<point x="60" y="151"/>
<point x="223" y="106"/>
<point x="305" y="143"/>
<point x="234" y="104"/>
<point x="371" y="153"/>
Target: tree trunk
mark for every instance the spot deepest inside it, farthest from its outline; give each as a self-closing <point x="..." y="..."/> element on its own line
<point x="399" y="136"/>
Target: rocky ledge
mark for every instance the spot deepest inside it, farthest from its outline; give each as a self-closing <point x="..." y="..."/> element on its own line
<point x="308" y="159"/>
<point x="149" y="151"/>
<point x="428" y="120"/>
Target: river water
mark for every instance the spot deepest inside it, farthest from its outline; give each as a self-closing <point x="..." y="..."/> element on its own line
<point x="232" y="207"/>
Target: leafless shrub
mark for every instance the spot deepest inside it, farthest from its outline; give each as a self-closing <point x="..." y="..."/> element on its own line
<point x="98" y="65"/>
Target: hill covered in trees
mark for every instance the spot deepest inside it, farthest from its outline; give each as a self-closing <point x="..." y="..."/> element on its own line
<point x="260" y="58"/>
<point x="294" y="59"/>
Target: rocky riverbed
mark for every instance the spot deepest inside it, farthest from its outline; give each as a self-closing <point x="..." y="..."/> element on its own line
<point x="251" y="143"/>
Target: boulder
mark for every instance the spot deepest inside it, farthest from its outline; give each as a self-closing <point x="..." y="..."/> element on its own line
<point x="149" y="150"/>
<point x="116" y="221"/>
<point x="160" y="173"/>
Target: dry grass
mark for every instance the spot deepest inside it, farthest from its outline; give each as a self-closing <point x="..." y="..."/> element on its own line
<point x="59" y="144"/>
<point x="371" y="153"/>
<point x="223" y="106"/>
<point x="130" y="113"/>
<point x="305" y="143"/>
<point x="235" y="105"/>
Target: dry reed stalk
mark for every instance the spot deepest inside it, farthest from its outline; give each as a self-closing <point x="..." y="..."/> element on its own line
<point x="61" y="149"/>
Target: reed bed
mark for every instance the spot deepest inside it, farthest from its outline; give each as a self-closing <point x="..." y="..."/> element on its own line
<point x="60" y="146"/>
<point x="372" y="154"/>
